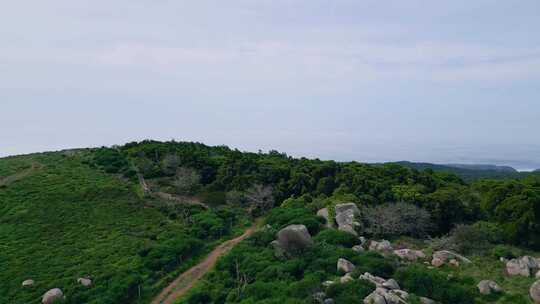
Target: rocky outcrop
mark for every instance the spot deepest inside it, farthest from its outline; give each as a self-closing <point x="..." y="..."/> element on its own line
<point x="410" y="254"/>
<point x="28" y="283"/>
<point x="523" y="266"/>
<point x="54" y="295"/>
<point x="326" y="215"/>
<point x="345" y="266"/>
<point x="382" y="246"/>
<point x="534" y="292"/>
<point x="291" y="239"/>
<point x="487" y="287"/>
<point x="345" y="214"/>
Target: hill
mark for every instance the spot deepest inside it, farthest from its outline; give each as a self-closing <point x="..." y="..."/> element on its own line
<point x="470" y="172"/>
<point x="133" y="217"/>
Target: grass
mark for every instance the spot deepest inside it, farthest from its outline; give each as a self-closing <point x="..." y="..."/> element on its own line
<point x="68" y="220"/>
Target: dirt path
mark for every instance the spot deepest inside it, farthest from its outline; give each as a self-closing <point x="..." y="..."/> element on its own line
<point x="188" y="279"/>
<point x="20" y="175"/>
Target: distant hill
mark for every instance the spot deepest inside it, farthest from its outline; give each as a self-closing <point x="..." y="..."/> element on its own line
<point x="470" y="172"/>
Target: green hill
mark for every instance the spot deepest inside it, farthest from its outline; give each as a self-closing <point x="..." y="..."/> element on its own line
<point x="133" y="217"/>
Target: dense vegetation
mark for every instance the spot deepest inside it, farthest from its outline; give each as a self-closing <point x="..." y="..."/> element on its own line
<point x="65" y="220"/>
<point x="83" y="213"/>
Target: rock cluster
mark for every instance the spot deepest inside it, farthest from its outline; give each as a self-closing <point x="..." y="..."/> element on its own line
<point x="345" y="214"/>
<point x="523" y="266"/>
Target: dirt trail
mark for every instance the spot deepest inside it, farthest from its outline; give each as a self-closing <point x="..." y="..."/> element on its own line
<point x="19" y="175"/>
<point x="188" y="279"/>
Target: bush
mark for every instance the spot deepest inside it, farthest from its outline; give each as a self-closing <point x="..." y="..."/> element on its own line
<point x="468" y="239"/>
<point x="282" y="217"/>
<point x="504" y="251"/>
<point x="337" y="237"/>
<point x="396" y="219"/>
<point x="435" y="285"/>
<point x="350" y="292"/>
<point x="374" y="263"/>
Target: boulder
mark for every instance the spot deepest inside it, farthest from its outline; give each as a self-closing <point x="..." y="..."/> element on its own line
<point x="486" y="287"/>
<point x="362" y="240"/>
<point x="436" y="262"/>
<point x="293" y="238"/>
<point x="409" y="254"/>
<point x="391" y="284"/>
<point x="28" y="283"/>
<point x="345" y="266"/>
<point x="454" y="263"/>
<point x="326" y="215"/>
<point x="54" y="295"/>
<point x="382" y="246"/>
<point x="329" y="301"/>
<point x="84" y="282"/>
<point x="345" y="214"/>
<point x="384" y="296"/>
<point x="521" y="266"/>
<point x="534" y="292"/>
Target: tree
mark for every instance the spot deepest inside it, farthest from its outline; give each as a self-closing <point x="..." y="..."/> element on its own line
<point x="396" y="219"/>
<point x="186" y="180"/>
<point x="259" y="198"/>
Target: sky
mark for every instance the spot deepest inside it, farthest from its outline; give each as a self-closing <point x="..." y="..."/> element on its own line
<point x="435" y="81"/>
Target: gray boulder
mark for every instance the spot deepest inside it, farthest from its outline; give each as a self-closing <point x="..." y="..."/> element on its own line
<point x="293" y="238"/>
<point x="487" y="287"/>
<point x="345" y="265"/>
<point x="523" y="266"/>
<point x="84" y="282"/>
<point x="326" y="215"/>
<point x="345" y="214"/>
<point x="425" y="300"/>
<point x="391" y="284"/>
<point x="534" y="292"/>
<point x="28" y="283"/>
<point x="54" y="295"/>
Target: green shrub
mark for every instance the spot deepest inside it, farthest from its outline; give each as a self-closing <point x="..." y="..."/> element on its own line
<point x="351" y="292"/>
<point x="282" y="217"/>
<point x="373" y="263"/>
<point x="337" y="237"/>
<point x="504" y="251"/>
<point x="435" y="285"/>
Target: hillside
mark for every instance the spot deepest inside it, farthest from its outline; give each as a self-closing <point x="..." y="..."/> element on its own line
<point x="131" y="218"/>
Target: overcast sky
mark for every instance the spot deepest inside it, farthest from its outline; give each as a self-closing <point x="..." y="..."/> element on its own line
<point x="437" y="81"/>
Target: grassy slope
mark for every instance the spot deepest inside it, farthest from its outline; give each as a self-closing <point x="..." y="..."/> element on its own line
<point x="66" y="220"/>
